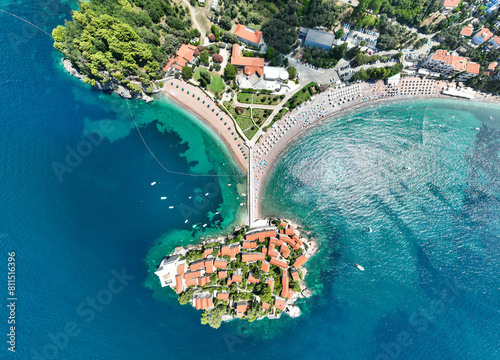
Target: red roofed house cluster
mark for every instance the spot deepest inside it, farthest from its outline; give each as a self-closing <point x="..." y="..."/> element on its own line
<point x="449" y="65"/>
<point x="250" y="65"/>
<point x="228" y="275"/>
<point x="185" y="55"/>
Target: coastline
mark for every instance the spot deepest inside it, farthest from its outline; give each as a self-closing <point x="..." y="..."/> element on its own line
<point x="282" y="144"/>
<point x="201" y="111"/>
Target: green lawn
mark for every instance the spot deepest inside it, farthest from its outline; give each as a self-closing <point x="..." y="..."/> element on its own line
<point x="216" y="85"/>
<point x="301" y="96"/>
<point x="259" y="99"/>
<point x="260" y="115"/>
<point x="244" y="120"/>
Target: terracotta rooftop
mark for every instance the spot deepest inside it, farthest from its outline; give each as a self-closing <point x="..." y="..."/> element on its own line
<point x="265" y="306"/>
<point x="197" y="265"/>
<point x="178" y="283"/>
<point x="223" y="296"/>
<point x="265" y="266"/>
<point x="207" y="252"/>
<point x="251" y="65"/>
<point x="260" y="236"/>
<point x="237" y="278"/>
<point x="245" y="257"/>
<point x="284" y="283"/>
<point x="466" y="31"/>
<point x="451" y="3"/>
<point x="209" y="266"/>
<point x="484" y="33"/>
<point x="295" y="275"/>
<point x="275" y="241"/>
<point x="280" y="304"/>
<point x="284" y="250"/>
<point x="204" y="303"/>
<point x="230" y="250"/>
<point x="192" y="282"/>
<point x="279" y="263"/>
<point x="181" y="269"/>
<point x="301" y="260"/>
<point x="472" y="68"/>
<point x="249" y="244"/>
<point x="491" y="66"/>
<point x="272" y="252"/>
<point x="184" y="54"/>
<point x="459" y="63"/>
<point x="242" y="307"/>
<point x="221" y="264"/>
<point x="270" y="282"/>
<point x="222" y="274"/>
<point x="496" y="40"/>
<point x="252" y="279"/>
<point x="192" y="275"/>
<point x="248" y="34"/>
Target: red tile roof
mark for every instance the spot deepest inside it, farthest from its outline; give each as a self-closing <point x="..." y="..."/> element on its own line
<point x="496" y="40"/>
<point x="221" y="264"/>
<point x="283" y="224"/>
<point x="192" y="275"/>
<point x="466" y="31"/>
<point x="251" y="35"/>
<point x="289" y="230"/>
<point x="247" y="257"/>
<point x="275" y="241"/>
<point x="270" y="282"/>
<point x="184" y="54"/>
<point x="202" y="281"/>
<point x="301" y="260"/>
<point x="491" y="66"/>
<point x="222" y="274"/>
<point x="272" y="252"/>
<point x="251" y="64"/>
<point x="472" y="68"/>
<point x="261" y="236"/>
<point x="230" y="250"/>
<point x="285" y="250"/>
<point x="181" y="269"/>
<point x="252" y="279"/>
<point x="264" y="250"/>
<point x="451" y="3"/>
<point x="222" y="296"/>
<point x="279" y="263"/>
<point x="209" y="265"/>
<point x="265" y="306"/>
<point x="178" y="283"/>
<point x="242" y="307"/>
<point x="237" y="278"/>
<point x="249" y="244"/>
<point x="295" y="275"/>
<point x="284" y="283"/>
<point x="204" y="303"/>
<point x="265" y="266"/>
<point x="197" y="265"/>
<point x="280" y="304"/>
<point x="207" y="252"/>
<point x="484" y="33"/>
<point x="191" y="282"/>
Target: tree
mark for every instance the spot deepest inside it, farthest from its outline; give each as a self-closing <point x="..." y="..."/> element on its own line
<point x="271" y="53"/>
<point x="230" y="72"/>
<point x="264" y="292"/>
<point x="339" y="33"/>
<point x="292" y="72"/>
<point x="205" y="78"/>
<point x="230" y="38"/>
<point x="204" y="57"/>
<point x="217" y="58"/>
<point x="294" y="285"/>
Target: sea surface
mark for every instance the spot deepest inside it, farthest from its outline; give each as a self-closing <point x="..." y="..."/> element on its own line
<point x="79" y="210"/>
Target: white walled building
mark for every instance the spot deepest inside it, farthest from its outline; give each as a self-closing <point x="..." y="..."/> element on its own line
<point x="168" y="270"/>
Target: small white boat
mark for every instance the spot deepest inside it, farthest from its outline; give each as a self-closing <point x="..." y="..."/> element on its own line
<point x="359" y="267"/>
<point x="190" y="197"/>
<point x="194" y="226"/>
<point x="206" y="194"/>
<point x="477" y="128"/>
<point x="153" y="183"/>
<point x="370" y="229"/>
<point x="185" y="222"/>
<point x="163" y="198"/>
<point x="217" y="213"/>
<point x="241" y="204"/>
<point x="204" y="225"/>
<point x="243" y="194"/>
<point x="170" y="207"/>
<point x="229" y="184"/>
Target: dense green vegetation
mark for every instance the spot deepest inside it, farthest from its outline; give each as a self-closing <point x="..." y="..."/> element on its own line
<point x="126" y="41"/>
<point x="324" y="58"/>
<point x="281" y="31"/>
<point x="374" y="73"/>
<point x="302" y="96"/>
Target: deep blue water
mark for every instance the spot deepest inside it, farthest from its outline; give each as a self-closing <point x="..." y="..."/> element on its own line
<point x="433" y="225"/>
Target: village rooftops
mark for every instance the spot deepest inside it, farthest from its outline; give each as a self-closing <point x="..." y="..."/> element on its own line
<point x="220" y="263"/>
<point x="261" y="236"/>
<point x="466" y="31"/>
<point x="251" y="65"/>
<point x="280" y="304"/>
<point x="301" y="260"/>
<point x="472" y="68"/>
<point x="249" y="35"/>
<point x="249" y="257"/>
<point x="184" y="55"/>
<point x="450" y="3"/>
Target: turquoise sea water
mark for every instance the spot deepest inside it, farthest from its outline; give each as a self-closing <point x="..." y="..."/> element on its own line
<point x="434" y="224"/>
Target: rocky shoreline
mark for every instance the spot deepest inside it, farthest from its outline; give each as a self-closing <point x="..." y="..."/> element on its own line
<point x="251" y="274"/>
<point x="113" y="85"/>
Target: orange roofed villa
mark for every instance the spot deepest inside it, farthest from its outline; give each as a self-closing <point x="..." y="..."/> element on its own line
<point x="252" y="274"/>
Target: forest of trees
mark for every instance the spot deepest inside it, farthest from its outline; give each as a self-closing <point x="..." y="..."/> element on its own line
<point x="281" y="31"/>
<point x="123" y="40"/>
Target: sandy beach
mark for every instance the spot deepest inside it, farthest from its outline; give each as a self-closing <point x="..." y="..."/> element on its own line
<point x="207" y="111"/>
<point x="330" y="103"/>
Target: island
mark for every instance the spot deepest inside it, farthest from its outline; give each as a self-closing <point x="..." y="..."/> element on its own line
<point x="255" y="273"/>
